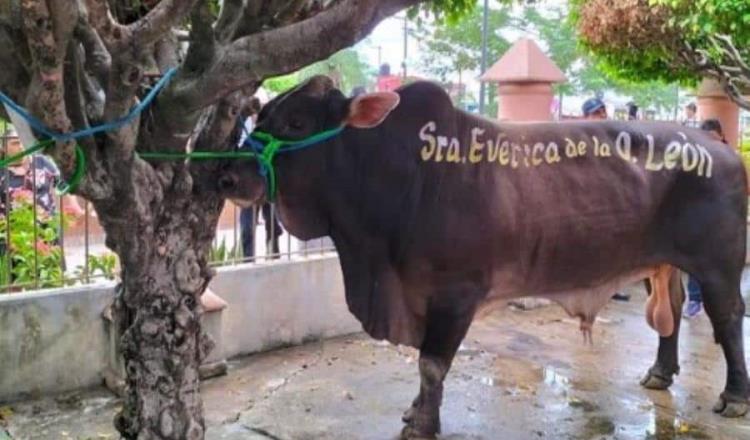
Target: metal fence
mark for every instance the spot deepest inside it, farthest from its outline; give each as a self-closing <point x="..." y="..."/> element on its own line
<point x="42" y="247"/>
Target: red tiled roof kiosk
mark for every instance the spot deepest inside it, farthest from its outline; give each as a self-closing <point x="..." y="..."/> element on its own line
<point x="525" y="76"/>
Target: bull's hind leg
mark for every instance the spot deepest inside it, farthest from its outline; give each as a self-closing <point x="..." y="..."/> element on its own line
<point x="659" y="376"/>
<point x="446" y="327"/>
<point x="725" y="307"/>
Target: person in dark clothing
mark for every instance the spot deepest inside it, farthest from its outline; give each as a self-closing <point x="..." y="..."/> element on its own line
<point x="248" y="222"/>
<point x="632" y="111"/>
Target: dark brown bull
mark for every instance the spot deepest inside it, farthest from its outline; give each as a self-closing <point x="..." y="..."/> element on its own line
<point x="435" y="212"/>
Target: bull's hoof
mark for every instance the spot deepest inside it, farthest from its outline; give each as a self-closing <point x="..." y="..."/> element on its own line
<point x="421" y="424"/>
<point x="411" y="433"/>
<point x="730" y="408"/>
<point x="656" y="379"/>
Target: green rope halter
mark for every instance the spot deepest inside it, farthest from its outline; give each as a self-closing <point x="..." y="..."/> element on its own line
<point x="264" y="148"/>
<point x="267" y="146"/>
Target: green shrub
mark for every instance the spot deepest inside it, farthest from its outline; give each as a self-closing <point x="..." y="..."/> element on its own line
<point x="220" y="253"/>
<point x="104" y="265"/>
<point x="30" y="256"/>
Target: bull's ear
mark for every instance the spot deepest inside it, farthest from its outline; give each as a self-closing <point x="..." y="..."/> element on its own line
<point x="369" y="109"/>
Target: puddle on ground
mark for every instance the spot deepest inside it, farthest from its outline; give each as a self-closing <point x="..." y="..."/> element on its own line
<point x="525" y="343"/>
<point x="598" y="426"/>
<point x="522" y="375"/>
<point x="553" y="379"/>
<point x="583" y="404"/>
<point x="661" y="425"/>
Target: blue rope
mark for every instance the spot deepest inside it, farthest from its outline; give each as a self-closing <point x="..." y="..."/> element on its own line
<point x="113" y="125"/>
<point x="267" y="146"/>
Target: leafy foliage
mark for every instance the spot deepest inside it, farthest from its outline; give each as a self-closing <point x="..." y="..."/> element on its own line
<point x="279" y="84"/>
<point x="104" y="265"/>
<point x="30" y="251"/>
<point x="221" y="253"/>
<point x="455" y="47"/>
<point x="347" y="64"/>
<point x="698" y="18"/>
<point x="451" y="10"/>
<point x="647" y="39"/>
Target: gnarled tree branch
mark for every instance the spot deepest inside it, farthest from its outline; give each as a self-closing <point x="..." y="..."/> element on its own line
<point x="202" y="42"/>
<point x="255" y="57"/>
<point x="48" y="39"/>
<point x="730" y="68"/>
<point x="229" y="16"/>
<point x="159" y="21"/>
<point x="101" y="18"/>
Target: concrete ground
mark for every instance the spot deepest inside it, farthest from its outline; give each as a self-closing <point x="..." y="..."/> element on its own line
<point x="518" y="375"/>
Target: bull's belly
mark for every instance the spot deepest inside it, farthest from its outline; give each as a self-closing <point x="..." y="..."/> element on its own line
<point x="582" y="302"/>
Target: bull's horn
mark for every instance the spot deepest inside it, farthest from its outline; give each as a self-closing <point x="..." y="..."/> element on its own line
<point x="318" y="85"/>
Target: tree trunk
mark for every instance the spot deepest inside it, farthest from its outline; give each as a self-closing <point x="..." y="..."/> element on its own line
<point x="159" y="307"/>
<point x="163" y="346"/>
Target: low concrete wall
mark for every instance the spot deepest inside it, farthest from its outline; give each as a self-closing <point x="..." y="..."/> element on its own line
<point x="282" y="304"/>
<point x="55" y="341"/>
<point x="52" y="340"/>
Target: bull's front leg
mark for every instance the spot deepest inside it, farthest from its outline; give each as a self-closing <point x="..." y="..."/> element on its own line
<point x="446" y="327"/>
<point x="423" y="418"/>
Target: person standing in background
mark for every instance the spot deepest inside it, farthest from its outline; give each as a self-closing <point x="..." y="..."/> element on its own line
<point x="594" y="109"/>
<point x="36" y="174"/>
<point x="632" y="111"/>
<point x="33" y="179"/>
<point x="691" y="116"/>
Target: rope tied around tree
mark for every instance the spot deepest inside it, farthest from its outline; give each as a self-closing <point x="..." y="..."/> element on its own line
<point x="263" y="147"/>
<point x="53" y="136"/>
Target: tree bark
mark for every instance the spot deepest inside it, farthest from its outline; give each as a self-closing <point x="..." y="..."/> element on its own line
<point x="162" y="343"/>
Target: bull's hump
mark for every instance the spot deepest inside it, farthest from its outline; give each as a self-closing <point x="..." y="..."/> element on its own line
<point x="425" y="91"/>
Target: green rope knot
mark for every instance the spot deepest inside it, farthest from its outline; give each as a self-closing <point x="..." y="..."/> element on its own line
<point x="267" y="146"/>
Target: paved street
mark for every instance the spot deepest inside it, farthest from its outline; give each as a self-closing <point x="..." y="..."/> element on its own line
<point x="519" y="375"/>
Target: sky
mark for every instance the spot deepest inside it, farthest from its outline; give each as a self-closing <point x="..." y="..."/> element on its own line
<point x="388" y="36"/>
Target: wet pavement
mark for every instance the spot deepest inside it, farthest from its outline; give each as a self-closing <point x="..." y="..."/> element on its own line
<point x="518" y="375"/>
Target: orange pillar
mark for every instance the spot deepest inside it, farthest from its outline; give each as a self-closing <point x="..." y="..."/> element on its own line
<point x="713" y="103"/>
<point x="524" y="101"/>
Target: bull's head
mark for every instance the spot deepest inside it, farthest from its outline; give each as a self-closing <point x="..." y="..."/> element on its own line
<point x="301" y="114"/>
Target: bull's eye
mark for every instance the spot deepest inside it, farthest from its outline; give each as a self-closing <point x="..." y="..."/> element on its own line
<point x="295" y="124"/>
